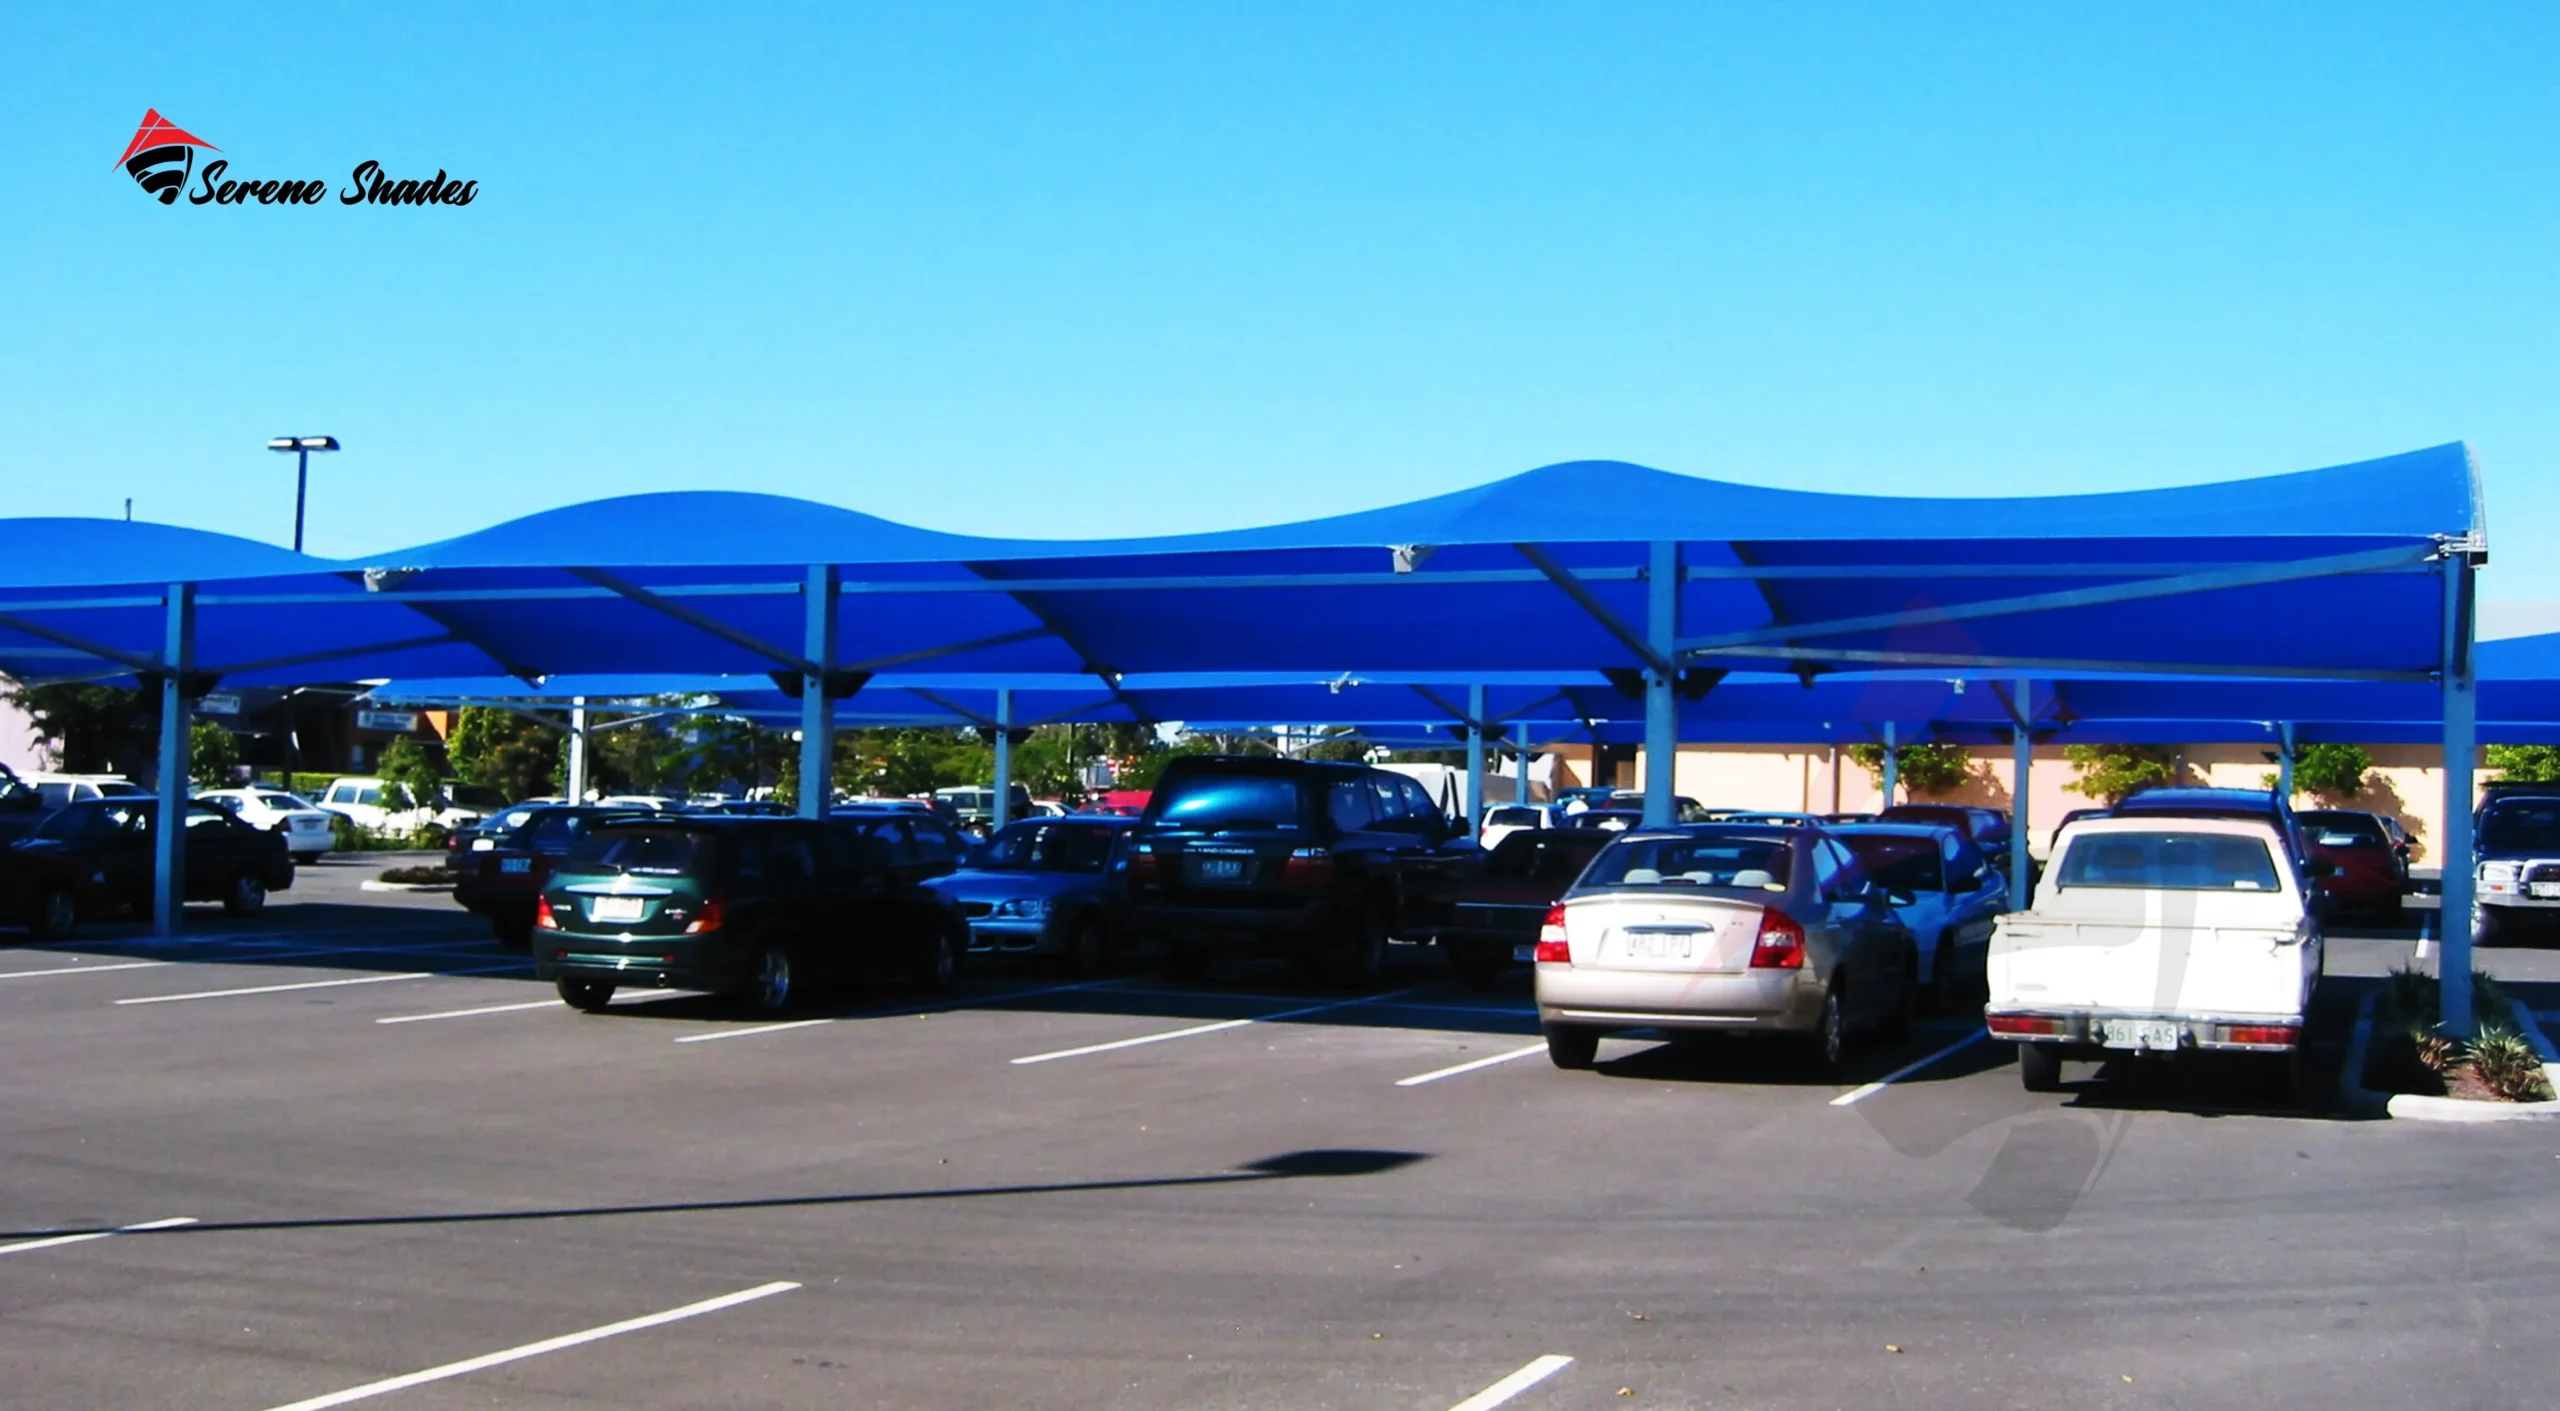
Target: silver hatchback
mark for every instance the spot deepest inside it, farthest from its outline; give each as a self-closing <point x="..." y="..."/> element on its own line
<point x="1723" y="928"/>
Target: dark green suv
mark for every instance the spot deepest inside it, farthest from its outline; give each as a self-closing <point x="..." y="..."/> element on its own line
<point x="755" y="908"/>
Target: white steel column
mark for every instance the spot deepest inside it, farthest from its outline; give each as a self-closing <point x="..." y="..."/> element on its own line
<point x="1475" y="761"/>
<point x="2284" y="760"/>
<point x="1661" y="699"/>
<point x="2461" y="733"/>
<point x="2022" y="763"/>
<point x="1004" y="759"/>
<point x="577" y="749"/>
<point x="169" y="834"/>
<point x="1520" y="757"/>
<point x="817" y="711"/>
<point x="1892" y="764"/>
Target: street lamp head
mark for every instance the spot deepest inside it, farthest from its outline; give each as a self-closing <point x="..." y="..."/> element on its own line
<point x="283" y="443"/>
<point x="302" y="443"/>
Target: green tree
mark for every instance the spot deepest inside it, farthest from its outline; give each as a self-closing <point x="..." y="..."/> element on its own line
<point x="212" y="754"/>
<point x="2526" y="764"/>
<point x="504" y="751"/>
<point x="411" y="774"/>
<point x="2331" y="771"/>
<point x="92" y="729"/>
<point x="1926" y="770"/>
<point x="2109" y="772"/>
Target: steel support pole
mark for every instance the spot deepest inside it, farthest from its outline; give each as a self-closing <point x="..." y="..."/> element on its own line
<point x="1003" y="813"/>
<point x="577" y="749"/>
<point x="817" y="711"/>
<point x="2461" y="732"/>
<point x="301" y="488"/>
<point x="2284" y="760"/>
<point x="1520" y="757"/>
<point x="1475" y="761"/>
<point x="2022" y="764"/>
<point x="1892" y="764"/>
<point x="169" y="830"/>
<point x="1661" y="698"/>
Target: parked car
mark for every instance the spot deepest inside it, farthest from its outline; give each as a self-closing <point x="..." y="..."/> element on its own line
<point x="1684" y="809"/>
<point x="2256" y="804"/>
<point x="304" y="827"/>
<point x="1493" y="914"/>
<point x="1724" y="928"/>
<point x="1322" y="863"/>
<point x="1987" y="828"/>
<point x="1503" y="820"/>
<point x="90" y="859"/>
<point x="1044" y="888"/>
<point x="1606" y="820"/>
<point x="2157" y="936"/>
<point x="755" y="908"/>
<point x="363" y="802"/>
<point x="2372" y="873"/>
<point x="922" y="846"/>
<point x="61" y="789"/>
<point x="654" y="803"/>
<point x="2516" y="845"/>
<point x="1944" y="890"/>
<point x="502" y="875"/>
<point x="973" y="807"/>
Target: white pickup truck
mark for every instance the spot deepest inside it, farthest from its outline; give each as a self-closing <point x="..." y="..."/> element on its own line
<point x="2157" y="936"/>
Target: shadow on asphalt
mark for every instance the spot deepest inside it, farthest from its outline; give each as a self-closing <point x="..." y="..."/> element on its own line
<point x="1317" y="1164"/>
<point x="1786" y="1061"/>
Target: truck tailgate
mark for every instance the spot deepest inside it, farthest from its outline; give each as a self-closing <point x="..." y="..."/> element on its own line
<point x="2154" y="966"/>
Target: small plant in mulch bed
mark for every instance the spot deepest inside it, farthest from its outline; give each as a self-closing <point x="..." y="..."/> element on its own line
<point x="418" y="876"/>
<point x="2412" y="1054"/>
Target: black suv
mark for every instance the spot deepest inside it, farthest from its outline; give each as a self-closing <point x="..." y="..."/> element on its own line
<point x="1318" y="862"/>
<point x="755" y="908"/>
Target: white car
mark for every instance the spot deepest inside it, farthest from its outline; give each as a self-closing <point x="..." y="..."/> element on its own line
<point x="360" y="801"/>
<point x="1503" y="820"/>
<point x="2157" y="936"/>
<point x="61" y="789"/>
<point x="305" y="827"/>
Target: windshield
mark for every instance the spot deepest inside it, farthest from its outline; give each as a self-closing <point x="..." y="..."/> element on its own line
<point x="1897" y="862"/>
<point x="665" y="852"/>
<point x="1209" y="801"/>
<point x="1048" y="847"/>
<point x="2343" y="830"/>
<point x="1742" y="862"/>
<point x="1556" y="857"/>
<point x="1512" y="817"/>
<point x="2169" y="862"/>
<point x="276" y="800"/>
<point x="2521" y="825"/>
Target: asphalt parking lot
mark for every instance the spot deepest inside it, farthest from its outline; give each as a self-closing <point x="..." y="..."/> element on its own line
<point x="411" y="1179"/>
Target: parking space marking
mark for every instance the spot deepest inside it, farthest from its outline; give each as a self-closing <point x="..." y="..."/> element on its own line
<point x="1436" y="1074"/>
<point x="86" y="969"/>
<point x="1198" y="1029"/>
<point x="535" y="1349"/>
<point x="969" y="1003"/>
<point x="1515" y="1384"/>
<point x="1867" y="1090"/>
<point x="468" y="1013"/>
<point x="57" y="1241"/>
<point x="319" y="984"/>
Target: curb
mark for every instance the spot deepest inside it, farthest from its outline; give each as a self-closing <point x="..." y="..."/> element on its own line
<point x="370" y="885"/>
<point x="2354" y="1096"/>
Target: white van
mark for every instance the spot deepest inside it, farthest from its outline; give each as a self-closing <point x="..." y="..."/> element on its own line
<point x="360" y="801"/>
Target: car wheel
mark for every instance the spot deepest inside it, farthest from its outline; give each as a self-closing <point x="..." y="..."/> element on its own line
<point x="2039" y="1068"/>
<point x="768" y="989"/>
<point x="585" y="996"/>
<point x="1479" y="966"/>
<point x="1831" y="1029"/>
<point x="54" y="914"/>
<point x="1906" y="1003"/>
<point x="1087" y="952"/>
<point x="247" y="895"/>
<point x="939" y="963"/>
<point x="1571" y="1048"/>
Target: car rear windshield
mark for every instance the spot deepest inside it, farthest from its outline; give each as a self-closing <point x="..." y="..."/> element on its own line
<point x="663" y="852"/>
<point x="2343" y="830"/>
<point x="1739" y="861"/>
<point x="1512" y="817"/>
<point x="1545" y="856"/>
<point x="1897" y="862"/>
<point x="1049" y="847"/>
<point x="2168" y="861"/>
<point x="2521" y="825"/>
<point x="1211" y="801"/>
<point x="1944" y="815"/>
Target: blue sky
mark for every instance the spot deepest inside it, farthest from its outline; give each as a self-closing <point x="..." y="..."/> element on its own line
<point x="1044" y="269"/>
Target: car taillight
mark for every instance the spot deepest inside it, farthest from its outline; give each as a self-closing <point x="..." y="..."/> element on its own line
<point x="453" y="842"/>
<point x="1308" y="867"/>
<point x="1143" y="867"/>
<point x="2262" y="1034"/>
<point x="1552" y="946"/>
<point x="1780" y="945"/>
<point x="2017" y="1024"/>
<point x="712" y="916"/>
<point x="542" y="916"/>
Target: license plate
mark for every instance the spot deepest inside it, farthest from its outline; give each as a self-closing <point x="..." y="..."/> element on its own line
<point x="1222" y="869"/>
<point x="1524" y="952"/>
<point x="1660" y="945"/>
<point x="525" y="864"/>
<point x="2543" y="889"/>
<point x="613" y="908"/>
<point x="2139" y="1033"/>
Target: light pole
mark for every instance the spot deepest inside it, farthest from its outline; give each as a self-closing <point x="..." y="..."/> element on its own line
<point x="302" y="447"/>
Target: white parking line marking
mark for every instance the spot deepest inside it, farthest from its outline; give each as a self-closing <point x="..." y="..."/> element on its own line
<point x="1435" y="1075"/>
<point x="968" y="1003"/>
<point x="1207" y="1028"/>
<point x="1865" y="1091"/>
<point x="85" y="969"/>
<point x="57" y="1241"/>
<point x="1515" y="1384"/>
<point x="468" y="1013"/>
<point x="536" y="1349"/>
<point x="318" y="984"/>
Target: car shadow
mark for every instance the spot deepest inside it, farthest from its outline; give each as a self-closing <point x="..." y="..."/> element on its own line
<point x="1786" y="1061"/>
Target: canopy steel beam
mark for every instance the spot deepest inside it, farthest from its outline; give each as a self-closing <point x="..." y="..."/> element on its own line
<point x="1863" y="657"/>
<point x="1473" y="719"/>
<point x="699" y="621"/>
<point x="2256" y="575"/>
<point x="1047" y="617"/>
<point x="978" y="718"/>
<point x="169" y="837"/>
<point x="441" y="639"/>
<point x="77" y="643"/>
<point x="976" y="644"/>
<point x="1575" y="587"/>
<point x="470" y="637"/>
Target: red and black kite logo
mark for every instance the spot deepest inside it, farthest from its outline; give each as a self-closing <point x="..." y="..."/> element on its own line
<point x="161" y="155"/>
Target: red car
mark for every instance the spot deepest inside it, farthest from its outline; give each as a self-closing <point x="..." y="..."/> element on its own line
<point x="2373" y="866"/>
<point x="502" y="875"/>
<point x="1494" y="913"/>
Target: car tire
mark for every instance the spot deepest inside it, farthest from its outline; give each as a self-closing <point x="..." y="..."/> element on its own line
<point x="1088" y="949"/>
<point x="1480" y="966"/>
<point x="246" y="896"/>
<point x="2039" y="1068"/>
<point x="938" y="962"/>
<point x="1899" y="1020"/>
<point x="768" y="988"/>
<point x="1830" y="1036"/>
<point x="585" y="996"/>
<point x="1570" y="1048"/>
<point x="53" y="915"/>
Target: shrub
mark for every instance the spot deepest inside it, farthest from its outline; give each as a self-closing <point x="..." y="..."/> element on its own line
<point x="2331" y="771"/>
<point x="2506" y="1064"/>
<point x="1924" y="769"/>
<point x="2526" y="764"/>
<point x="213" y="755"/>
<point x="2109" y="772"/>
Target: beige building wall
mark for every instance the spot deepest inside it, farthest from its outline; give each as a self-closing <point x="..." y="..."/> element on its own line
<point x="2406" y="782"/>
